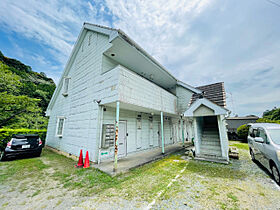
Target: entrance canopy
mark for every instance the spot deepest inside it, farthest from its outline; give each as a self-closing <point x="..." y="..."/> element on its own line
<point x="204" y="107"/>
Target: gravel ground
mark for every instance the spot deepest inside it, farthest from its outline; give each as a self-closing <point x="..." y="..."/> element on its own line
<point x="254" y="190"/>
<point x="202" y="185"/>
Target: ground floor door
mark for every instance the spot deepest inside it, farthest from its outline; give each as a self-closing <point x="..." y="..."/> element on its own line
<point x="175" y="133"/>
<point x="122" y="139"/>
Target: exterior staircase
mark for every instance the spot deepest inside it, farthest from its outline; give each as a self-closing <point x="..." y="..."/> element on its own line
<point x="210" y="142"/>
<point x="210" y="148"/>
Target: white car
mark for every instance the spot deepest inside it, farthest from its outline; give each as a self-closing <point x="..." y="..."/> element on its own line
<point x="264" y="144"/>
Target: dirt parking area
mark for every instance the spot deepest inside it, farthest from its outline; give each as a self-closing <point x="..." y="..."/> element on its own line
<point x="52" y="182"/>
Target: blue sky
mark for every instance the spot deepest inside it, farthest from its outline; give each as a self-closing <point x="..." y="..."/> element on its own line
<point x="199" y="41"/>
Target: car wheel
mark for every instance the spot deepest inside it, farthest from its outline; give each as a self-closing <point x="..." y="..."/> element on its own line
<point x="275" y="173"/>
<point x="252" y="155"/>
<point x="2" y="155"/>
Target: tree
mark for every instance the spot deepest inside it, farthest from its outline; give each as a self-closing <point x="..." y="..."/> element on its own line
<point x="9" y="81"/>
<point x="273" y="114"/>
<point x="242" y="132"/>
<point x="24" y="95"/>
<point x="12" y="108"/>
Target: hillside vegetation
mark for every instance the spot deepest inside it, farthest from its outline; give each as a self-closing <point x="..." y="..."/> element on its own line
<point x="24" y="95"/>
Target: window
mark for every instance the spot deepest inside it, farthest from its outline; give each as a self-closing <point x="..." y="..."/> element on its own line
<point x="274" y="135"/>
<point x="60" y="126"/>
<point x="66" y="86"/>
<point x="251" y="132"/>
<point x="255" y="133"/>
<point x="262" y="135"/>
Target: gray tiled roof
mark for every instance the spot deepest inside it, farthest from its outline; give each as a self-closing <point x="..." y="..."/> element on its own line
<point x="213" y="92"/>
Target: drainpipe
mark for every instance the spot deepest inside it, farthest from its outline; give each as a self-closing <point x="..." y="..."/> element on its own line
<point x="116" y="136"/>
<point x="162" y="135"/>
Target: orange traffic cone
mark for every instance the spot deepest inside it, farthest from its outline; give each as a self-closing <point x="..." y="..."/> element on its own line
<point x="80" y="162"/>
<point x="86" y="165"/>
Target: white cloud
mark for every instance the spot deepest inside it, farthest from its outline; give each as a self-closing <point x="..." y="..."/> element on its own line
<point x="52" y="23"/>
<point x="158" y="25"/>
<point x="199" y="41"/>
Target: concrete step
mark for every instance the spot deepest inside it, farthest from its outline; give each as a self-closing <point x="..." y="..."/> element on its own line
<point x="210" y="148"/>
<point x="210" y="128"/>
<point x="211" y="158"/>
<point x="210" y="135"/>
<point x="210" y="139"/>
<point x="211" y="132"/>
<point x="213" y="151"/>
<point x="217" y="143"/>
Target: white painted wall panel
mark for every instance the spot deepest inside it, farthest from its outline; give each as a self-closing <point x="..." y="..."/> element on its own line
<point x="130" y="118"/>
<point x="184" y="97"/>
<point x="92" y="79"/>
<point x="80" y="129"/>
<point x="134" y="89"/>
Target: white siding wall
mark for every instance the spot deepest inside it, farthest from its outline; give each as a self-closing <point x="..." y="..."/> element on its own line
<point x="109" y="117"/>
<point x="223" y="136"/>
<point x="108" y="64"/>
<point x="92" y="79"/>
<point x="134" y="89"/>
<point x="80" y="128"/>
<point x="184" y="97"/>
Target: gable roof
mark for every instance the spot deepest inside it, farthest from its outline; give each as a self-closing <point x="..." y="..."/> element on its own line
<point x="113" y="34"/>
<point x="213" y="92"/>
<point x="218" y="110"/>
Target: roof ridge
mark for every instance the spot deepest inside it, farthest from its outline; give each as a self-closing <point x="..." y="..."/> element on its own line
<point x="105" y="27"/>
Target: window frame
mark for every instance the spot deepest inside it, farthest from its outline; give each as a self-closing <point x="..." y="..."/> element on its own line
<point x="251" y="132"/>
<point x="66" y="91"/>
<point x="57" y="126"/>
<point x="265" y="135"/>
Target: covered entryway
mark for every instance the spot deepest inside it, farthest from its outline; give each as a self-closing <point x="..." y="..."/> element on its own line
<point x="210" y="139"/>
<point x="210" y="135"/>
<point x="138" y="159"/>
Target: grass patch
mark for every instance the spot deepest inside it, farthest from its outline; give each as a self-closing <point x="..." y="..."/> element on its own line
<point x="5" y="204"/>
<point x="21" y="169"/>
<point x="145" y="182"/>
<point x="140" y="183"/>
<point x="214" y="170"/>
<point x="37" y="192"/>
<point x="232" y="197"/>
<point x="50" y="197"/>
<point x="223" y="205"/>
<point x="58" y="203"/>
<point x="207" y="185"/>
<point x="239" y="145"/>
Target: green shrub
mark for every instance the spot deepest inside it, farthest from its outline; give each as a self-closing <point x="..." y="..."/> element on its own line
<point x="6" y="135"/>
<point x="242" y="132"/>
<point x="265" y="120"/>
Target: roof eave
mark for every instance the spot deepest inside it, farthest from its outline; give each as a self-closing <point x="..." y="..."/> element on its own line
<point x="184" y="85"/>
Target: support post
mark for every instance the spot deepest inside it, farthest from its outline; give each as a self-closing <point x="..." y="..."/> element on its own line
<point x="100" y="134"/>
<point x="116" y="135"/>
<point x="162" y="134"/>
<point x="182" y="128"/>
